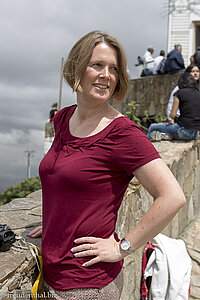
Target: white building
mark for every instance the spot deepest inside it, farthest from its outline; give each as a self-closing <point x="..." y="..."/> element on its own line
<point x="184" y="26"/>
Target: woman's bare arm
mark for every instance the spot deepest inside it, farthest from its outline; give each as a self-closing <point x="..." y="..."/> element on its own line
<point x="174" y="107"/>
<point x="158" y="180"/>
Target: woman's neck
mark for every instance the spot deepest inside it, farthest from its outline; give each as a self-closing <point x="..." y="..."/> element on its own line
<point x="86" y="113"/>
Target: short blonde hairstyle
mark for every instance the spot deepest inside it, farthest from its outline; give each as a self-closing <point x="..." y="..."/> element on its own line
<point x="80" y="55"/>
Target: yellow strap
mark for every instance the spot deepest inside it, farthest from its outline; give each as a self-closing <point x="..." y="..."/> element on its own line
<point x="36" y="289"/>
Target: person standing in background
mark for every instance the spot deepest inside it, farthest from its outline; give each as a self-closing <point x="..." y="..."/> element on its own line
<point x="53" y="111"/>
<point x="197" y="57"/>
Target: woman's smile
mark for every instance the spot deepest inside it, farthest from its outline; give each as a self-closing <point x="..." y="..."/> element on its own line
<point x="101" y="86"/>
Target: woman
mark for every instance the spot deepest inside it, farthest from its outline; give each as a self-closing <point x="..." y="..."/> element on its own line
<point x="187" y="103"/>
<point x="95" y="154"/>
<point x="194" y="71"/>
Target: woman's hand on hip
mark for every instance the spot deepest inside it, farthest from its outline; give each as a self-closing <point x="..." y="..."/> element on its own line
<point x="103" y="250"/>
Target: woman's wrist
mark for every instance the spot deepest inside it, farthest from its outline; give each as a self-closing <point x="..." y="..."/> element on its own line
<point x="125" y="247"/>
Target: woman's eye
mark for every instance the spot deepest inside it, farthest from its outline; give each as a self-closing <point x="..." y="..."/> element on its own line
<point x="114" y="69"/>
<point x="96" y="65"/>
<point x="99" y="67"/>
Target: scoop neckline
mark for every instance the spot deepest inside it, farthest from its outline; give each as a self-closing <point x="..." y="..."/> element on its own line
<point x="94" y="135"/>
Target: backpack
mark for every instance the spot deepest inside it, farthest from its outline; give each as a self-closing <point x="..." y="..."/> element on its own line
<point x="162" y="66"/>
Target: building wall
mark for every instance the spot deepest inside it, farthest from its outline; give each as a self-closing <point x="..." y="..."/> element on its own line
<point x="182" y="18"/>
<point x="183" y="160"/>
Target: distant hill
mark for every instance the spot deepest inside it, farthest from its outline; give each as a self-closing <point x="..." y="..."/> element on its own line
<point x="20" y="190"/>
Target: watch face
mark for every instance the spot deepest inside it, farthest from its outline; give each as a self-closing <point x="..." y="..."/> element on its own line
<point x="125" y="245"/>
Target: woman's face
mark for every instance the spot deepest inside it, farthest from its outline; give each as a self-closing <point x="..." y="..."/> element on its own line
<point x="101" y="75"/>
<point x="195" y="73"/>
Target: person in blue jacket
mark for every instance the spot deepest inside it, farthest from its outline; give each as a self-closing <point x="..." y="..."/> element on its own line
<point x="175" y="62"/>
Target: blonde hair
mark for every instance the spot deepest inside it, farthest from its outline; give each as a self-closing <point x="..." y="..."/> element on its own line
<point x="80" y="55"/>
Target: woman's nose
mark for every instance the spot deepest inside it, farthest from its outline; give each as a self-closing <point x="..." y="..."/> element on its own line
<point x="105" y="72"/>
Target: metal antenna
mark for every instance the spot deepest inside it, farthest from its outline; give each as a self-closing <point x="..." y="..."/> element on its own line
<point x="29" y="154"/>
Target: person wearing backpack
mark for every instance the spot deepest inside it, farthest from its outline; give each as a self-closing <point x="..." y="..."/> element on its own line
<point x="162" y="66"/>
<point x="159" y="64"/>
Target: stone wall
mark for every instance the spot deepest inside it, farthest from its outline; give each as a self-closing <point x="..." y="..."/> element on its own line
<point x="22" y="215"/>
<point x="152" y="93"/>
<point x="183" y="160"/>
<point x="17" y="264"/>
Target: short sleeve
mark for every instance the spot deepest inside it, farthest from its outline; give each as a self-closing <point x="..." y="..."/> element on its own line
<point x="133" y="149"/>
<point x="177" y="94"/>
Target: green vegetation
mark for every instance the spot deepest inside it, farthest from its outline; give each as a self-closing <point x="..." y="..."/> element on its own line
<point x="20" y="190"/>
<point x="145" y="121"/>
<point x="131" y="112"/>
<point x="160" y="118"/>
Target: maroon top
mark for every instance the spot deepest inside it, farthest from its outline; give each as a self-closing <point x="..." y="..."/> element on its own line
<point x="83" y="184"/>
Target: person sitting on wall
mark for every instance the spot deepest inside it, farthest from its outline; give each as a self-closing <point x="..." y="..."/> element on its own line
<point x="161" y="69"/>
<point x="188" y="123"/>
<point x="140" y="61"/>
<point x="194" y="71"/>
<point x="157" y="61"/>
<point x="148" y="61"/>
<point x="175" y="62"/>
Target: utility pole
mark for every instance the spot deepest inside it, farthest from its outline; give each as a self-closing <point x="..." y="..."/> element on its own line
<point x="29" y="153"/>
<point x="61" y="80"/>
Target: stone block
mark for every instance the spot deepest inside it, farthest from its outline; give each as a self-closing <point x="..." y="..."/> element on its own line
<point x="188" y="185"/>
<point x="175" y="228"/>
<point x="190" y="208"/>
<point x="49" y="129"/>
<point x="197" y="243"/>
<point x="195" y="255"/>
<point x="195" y="286"/>
<point x="14" y="283"/>
<point x="152" y="109"/>
<point x="10" y="262"/>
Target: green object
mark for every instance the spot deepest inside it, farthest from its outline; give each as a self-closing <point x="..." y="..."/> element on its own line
<point x="20" y="190"/>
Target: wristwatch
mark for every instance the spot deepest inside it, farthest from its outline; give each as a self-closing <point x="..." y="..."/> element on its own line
<point x="126" y="246"/>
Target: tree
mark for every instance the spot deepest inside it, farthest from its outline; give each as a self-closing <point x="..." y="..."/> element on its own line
<point x="20" y="190"/>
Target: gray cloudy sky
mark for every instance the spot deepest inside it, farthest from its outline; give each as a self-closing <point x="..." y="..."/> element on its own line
<point x="35" y="34"/>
